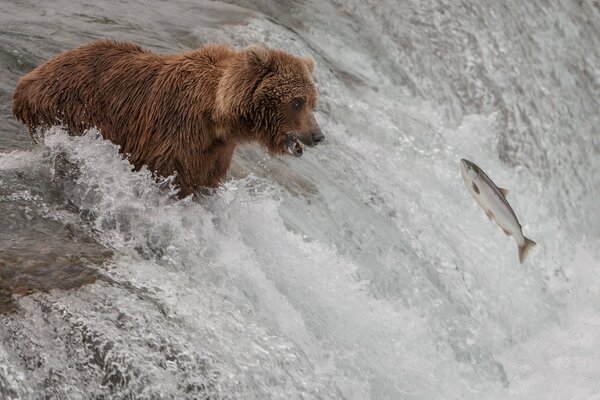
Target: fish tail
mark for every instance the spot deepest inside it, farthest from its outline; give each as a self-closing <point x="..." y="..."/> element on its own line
<point x="525" y="248"/>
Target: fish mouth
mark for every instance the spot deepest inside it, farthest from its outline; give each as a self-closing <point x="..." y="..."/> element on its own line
<point x="468" y="168"/>
<point x="293" y="146"/>
<point x="467" y="172"/>
<point x="463" y="167"/>
<point x="468" y="164"/>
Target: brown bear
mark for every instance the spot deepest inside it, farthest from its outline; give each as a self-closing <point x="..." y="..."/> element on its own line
<point x="183" y="113"/>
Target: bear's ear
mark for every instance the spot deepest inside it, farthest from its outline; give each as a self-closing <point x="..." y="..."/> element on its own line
<point x="310" y="63"/>
<point x="239" y="81"/>
<point x="259" y="57"/>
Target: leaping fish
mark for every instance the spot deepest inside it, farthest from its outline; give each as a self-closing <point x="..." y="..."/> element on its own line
<point x="493" y="201"/>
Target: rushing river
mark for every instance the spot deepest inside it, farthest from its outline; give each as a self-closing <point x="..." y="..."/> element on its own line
<point x="363" y="270"/>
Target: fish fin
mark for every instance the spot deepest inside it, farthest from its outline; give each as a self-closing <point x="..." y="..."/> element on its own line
<point x="507" y="233"/>
<point x="525" y="248"/>
<point x="503" y="191"/>
<point x="475" y="188"/>
<point x="489" y="214"/>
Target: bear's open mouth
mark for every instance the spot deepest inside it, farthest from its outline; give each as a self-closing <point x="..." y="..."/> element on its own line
<point x="293" y="146"/>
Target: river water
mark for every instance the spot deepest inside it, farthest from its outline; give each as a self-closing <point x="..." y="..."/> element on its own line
<point x="363" y="270"/>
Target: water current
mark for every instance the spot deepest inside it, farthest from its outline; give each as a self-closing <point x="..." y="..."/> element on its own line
<point x="363" y="270"/>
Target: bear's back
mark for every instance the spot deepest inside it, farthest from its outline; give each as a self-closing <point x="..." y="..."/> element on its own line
<point x="86" y="87"/>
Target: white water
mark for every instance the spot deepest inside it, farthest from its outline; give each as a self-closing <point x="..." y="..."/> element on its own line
<point x="363" y="270"/>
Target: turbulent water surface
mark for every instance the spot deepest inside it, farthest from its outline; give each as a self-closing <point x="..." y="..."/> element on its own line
<point x="363" y="270"/>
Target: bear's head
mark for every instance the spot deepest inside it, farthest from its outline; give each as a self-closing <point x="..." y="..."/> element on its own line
<point x="274" y="95"/>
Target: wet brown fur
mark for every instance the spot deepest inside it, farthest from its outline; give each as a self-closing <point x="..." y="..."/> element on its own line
<point x="183" y="113"/>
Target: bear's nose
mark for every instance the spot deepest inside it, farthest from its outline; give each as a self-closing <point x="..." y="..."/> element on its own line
<point x="317" y="137"/>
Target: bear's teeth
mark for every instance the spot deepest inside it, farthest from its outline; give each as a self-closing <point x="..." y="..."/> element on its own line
<point x="298" y="149"/>
<point x="293" y="146"/>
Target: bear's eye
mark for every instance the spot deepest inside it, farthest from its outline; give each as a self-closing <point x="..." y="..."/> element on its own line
<point x="297" y="103"/>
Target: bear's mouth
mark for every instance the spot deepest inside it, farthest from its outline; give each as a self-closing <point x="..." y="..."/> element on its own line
<point x="293" y="146"/>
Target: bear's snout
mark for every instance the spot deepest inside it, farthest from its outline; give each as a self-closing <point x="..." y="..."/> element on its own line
<point x="317" y="136"/>
<point x="313" y="136"/>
